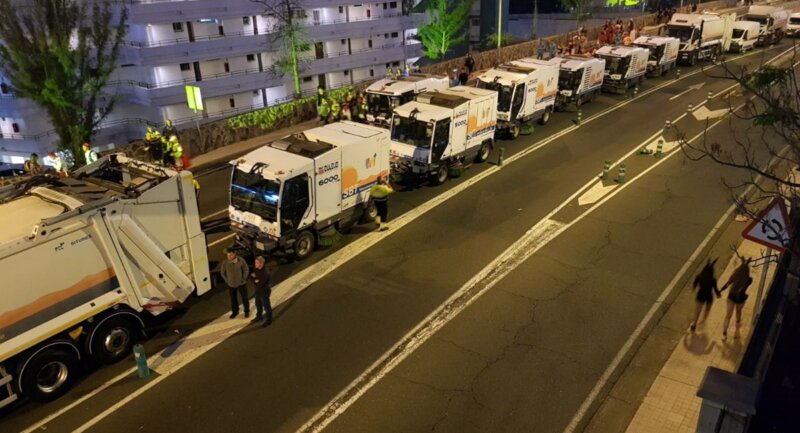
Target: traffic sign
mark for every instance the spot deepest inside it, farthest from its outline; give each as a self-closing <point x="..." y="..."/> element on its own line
<point x="771" y="227"/>
<point x="194" y="98"/>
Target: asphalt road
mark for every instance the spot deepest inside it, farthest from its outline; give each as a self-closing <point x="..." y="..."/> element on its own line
<point x="524" y="356"/>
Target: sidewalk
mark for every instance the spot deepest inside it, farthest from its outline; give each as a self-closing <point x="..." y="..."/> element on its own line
<point x="671" y="404"/>
<point x="231" y="151"/>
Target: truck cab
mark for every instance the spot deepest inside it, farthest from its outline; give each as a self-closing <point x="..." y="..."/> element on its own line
<point x="663" y="53"/>
<point x="287" y="195"/>
<point x="793" y="26"/>
<point x="701" y="36"/>
<point x="385" y="95"/>
<point x="526" y="90"/>
<point x="744" y="37"/>
<point x="625" y="67"/>
<point x="579" y="80"/>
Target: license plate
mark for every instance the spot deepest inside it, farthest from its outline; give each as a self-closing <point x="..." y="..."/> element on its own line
<point x="260" y="245"/>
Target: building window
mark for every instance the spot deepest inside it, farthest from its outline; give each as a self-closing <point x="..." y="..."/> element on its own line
<point x="227" y="67"/>
<point x="251" y="57"/>
<point x="185" y="67"/>
<point x="371" y="72"/>
<point x="392" y="5"/>
<point x="307" y="79"/>
<point x="177" y="27"/>
<point x="344" y="41"/>
<point x="396" y="64"/>
<point x="3" y="87"/>
<point x="256" y="93"/>
<point x="246" y="21"/>
<point x="15" y="127"/>
<point x="395" y="34"/>
<point x="386" y="35"/>
<point x="232" y="102"/>
<point x="346" y="73"/>
<point x="341" y="9"/>
<point x="385" y="6"/>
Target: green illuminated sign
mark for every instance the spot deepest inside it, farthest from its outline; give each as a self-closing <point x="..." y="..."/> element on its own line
<point x="194" y="98"/>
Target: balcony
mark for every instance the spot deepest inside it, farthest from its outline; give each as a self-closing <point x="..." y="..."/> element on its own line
<point x="232" y="44"/>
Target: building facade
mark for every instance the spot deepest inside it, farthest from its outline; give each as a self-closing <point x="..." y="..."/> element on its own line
<point x="229" y="50"/>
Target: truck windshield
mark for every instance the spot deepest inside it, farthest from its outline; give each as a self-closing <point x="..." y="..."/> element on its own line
<point x="379" y="104"/>
<point x="616" y="65"/>
<point x="569" y="80"/>
<point x="412" y="131"/>
<point x="795" y="20"/>
<point x="759" y="19"/>
<point x="682" y="33"/>
<point x="656" y="52"/>
<point x="738" y="33"/>
<point x="250" y="192"/>
<point x="503" y="94"/>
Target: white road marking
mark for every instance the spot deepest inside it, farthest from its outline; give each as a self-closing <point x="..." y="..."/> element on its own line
<point x="537" y="237"/>
<point x="697" y="86"/>
<point x="220" y="240"/>
<point x="703" y="113"/>
<point x="207" y="217"/>
<point x="595" y="193"/>
<point x="305" y="278"/>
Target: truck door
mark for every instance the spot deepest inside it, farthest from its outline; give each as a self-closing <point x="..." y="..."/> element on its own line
<point x="295" y="203"/>
<point x="441" y="139"/>
<point x="518" y="100"/>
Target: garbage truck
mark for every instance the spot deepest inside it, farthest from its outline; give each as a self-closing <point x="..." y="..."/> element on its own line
<point x="625" y="66"/>
<point x="745" y="35"/>
<point x="701" y="36"/>
<point x="579" y="80"/>
<point x="772" y="20"/>
<point x="663" y="53"/>
<point x="87" y="261"/>
<point x="442" y="132"/>
<point x="289" y="195"/>
<point x="386" y="94"/>
<point x="526" y="90"/>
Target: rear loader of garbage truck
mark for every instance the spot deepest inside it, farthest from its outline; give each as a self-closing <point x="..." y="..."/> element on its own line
<point x="579" y="80"/>
<point x="663" y="53"/>
<point x="296" y="193"/>
<point x="85" y="261"/>
<point x="386" y="94"/>
<point x="442" y="133"/>
<point x="526" y="90"/>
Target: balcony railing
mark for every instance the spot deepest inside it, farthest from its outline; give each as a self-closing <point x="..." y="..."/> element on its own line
<point x="272" y="30"/>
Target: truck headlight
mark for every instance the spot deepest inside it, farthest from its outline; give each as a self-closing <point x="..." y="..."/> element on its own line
<point x="616" y="77"/>
<point x="566" y="92"/>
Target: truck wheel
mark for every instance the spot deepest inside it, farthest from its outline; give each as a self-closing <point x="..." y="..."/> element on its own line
<point x="513" y="131"/>
<point x="546" y="116"/>
<point x="441" y="174"/>
<point x="486" y="149"/>
<point x="49" y="373"/>
<point x="370" y="213"/>
<point x="304" y="245"/>
<point x="112" y="339"/>
<point x="693" y="59"/>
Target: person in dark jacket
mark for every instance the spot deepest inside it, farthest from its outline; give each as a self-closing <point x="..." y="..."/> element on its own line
<point x="469" y="63"/>
<point x="259" y="279"/>
<point x="234" y="272"/>
<point x="463" y="77"/>
<point x="706" y="284"/>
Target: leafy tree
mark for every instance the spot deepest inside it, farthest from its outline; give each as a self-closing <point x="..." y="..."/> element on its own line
<point x="60" y="54"/>
<point x="446" y="26"/>
<point x="290" y="35"/>
<point x="580" y="9"/>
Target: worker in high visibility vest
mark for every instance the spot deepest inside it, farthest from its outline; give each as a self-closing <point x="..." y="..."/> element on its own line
<point x="379" y="193"/>
<point x="336" y="110"/>
<point x="324" y="111"/>
<point x="363" y="108"/>
<point x="175" y="151"/>
<point x="154" y="144"/>
<point x="89" y="155"/>
<point x="169" y="129"/>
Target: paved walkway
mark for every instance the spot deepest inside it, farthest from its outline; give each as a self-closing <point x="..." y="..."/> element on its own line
<point x="671" y="404"/>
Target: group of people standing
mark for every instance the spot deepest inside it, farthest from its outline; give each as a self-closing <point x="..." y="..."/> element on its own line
<point x="55" y="163"/>
<point x="238" y="277"/>
<point x="165" y="148"/>
<point x="331" y="110"/>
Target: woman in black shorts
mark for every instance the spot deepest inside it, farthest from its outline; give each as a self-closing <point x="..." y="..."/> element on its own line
<point x="706" y="284"/>
<point x="739" y="281"/>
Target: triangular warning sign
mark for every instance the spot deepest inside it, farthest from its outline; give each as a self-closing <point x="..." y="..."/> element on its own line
<point x="771" y="227"/>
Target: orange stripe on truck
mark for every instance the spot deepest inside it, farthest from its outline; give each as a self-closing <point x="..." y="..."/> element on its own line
<point x="86" y="283"/>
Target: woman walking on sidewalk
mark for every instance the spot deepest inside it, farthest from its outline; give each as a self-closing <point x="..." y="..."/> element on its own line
<point x="706" y="284"/>
<point x="739" y="281"/>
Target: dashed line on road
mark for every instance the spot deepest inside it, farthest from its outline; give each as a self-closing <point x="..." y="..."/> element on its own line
<point x="308" y="276"/>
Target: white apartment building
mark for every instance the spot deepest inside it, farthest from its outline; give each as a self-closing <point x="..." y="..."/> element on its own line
<point x="228" y="49"/>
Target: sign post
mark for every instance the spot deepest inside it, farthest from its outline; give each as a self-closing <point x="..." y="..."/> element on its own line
<point x="771" y="229"/>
